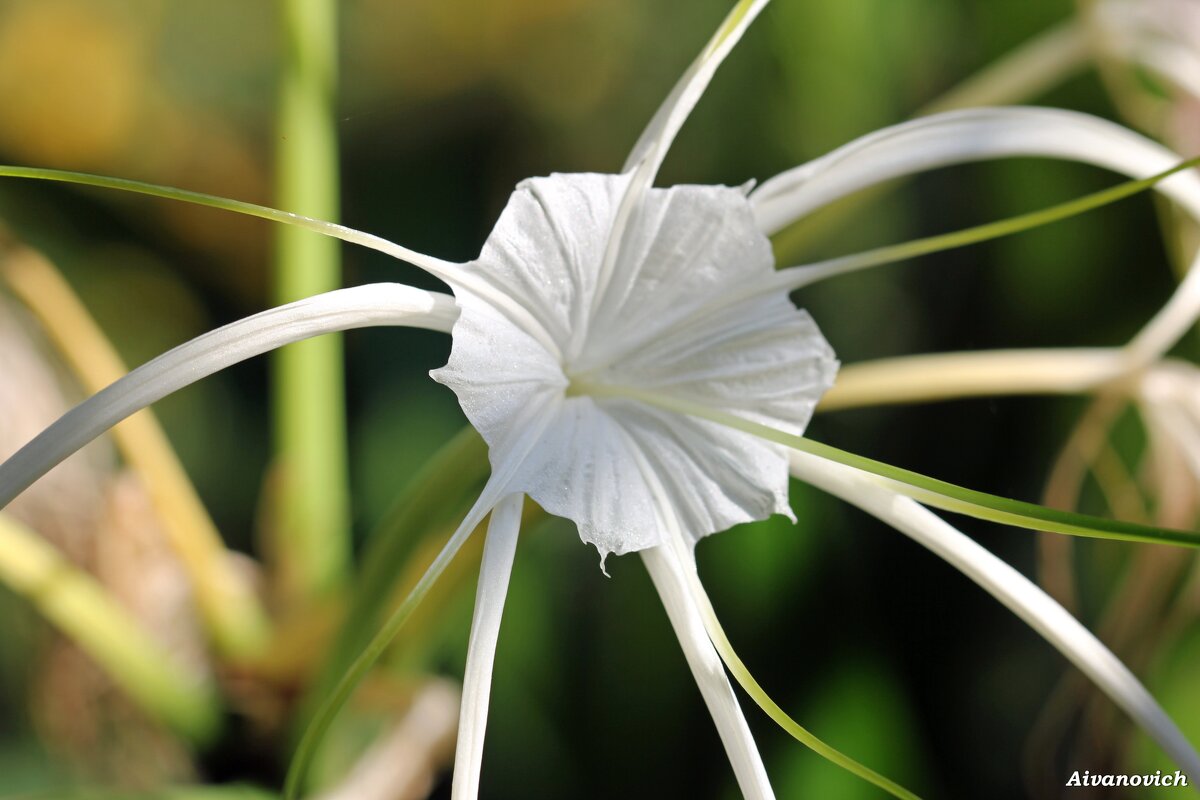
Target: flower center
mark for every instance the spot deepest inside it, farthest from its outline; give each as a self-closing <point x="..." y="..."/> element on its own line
<point x="586" y="384"/>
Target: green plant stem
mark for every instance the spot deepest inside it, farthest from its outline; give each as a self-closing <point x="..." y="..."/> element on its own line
<point x="688" y="582"/>
<point x="312" y="524"/>
<point x="87" y="614"/>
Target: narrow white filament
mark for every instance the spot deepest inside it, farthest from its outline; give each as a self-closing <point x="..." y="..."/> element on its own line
<point x="498" y="552"/>
<point x="344" y="309"/>
<point x="958" y="137"/>
<point x="667" y="573"/>
<point x="1010" y="587"/>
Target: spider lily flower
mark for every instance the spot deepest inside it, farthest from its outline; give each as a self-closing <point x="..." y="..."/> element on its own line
<point x="603" y="339"/>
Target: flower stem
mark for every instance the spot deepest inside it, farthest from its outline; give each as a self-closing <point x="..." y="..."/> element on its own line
<point x="672" y="567"/>
<point x="668" y="575"/>
<point x="343" y="309"/>
<point x="495" y="489"/>
<point x="235" y="619"/>
<point x="434" y="266"/>
<point x="83" y="610"/>
<point x="312" y="531"/>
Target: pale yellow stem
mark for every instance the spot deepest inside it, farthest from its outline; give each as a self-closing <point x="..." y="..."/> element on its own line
<point x="945" y="376"/>
<point x="80" y="607"/>
<point x="232" y="613"/>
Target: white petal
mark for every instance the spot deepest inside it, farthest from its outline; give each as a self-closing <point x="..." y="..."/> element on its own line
<point x="664" y="324"/>
<point x="667" y="573"/>
<point x="687" y="248"/>
<point x="1012" y="589"/>
<point x="760" y="359"/>
<point x="500" y="373"/>
<point x="714" y="478"/>
<point x="964" y="136"/>
<point x="362" y="306"/>
<point x="494" y="574"/>
<point x="546" y="248"/>
<point x="586" y="467"/>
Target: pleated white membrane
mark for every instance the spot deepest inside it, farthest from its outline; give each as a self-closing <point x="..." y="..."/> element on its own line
<point x="656" y="319"/>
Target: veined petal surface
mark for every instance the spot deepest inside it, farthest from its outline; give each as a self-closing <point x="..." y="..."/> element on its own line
<point x="663" y="324"/>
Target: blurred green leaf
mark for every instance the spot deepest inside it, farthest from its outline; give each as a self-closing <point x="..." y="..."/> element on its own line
<point x="861" y="707"/>
<point x="1174" y="684"/>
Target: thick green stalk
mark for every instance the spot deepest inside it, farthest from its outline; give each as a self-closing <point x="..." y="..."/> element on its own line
<point x="88" y="615"/>
<point x="311" y="535"/>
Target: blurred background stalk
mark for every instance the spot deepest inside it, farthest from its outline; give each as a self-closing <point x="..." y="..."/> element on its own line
<point x="310" y="530"/>
<point x="234" y="619"/>
<point x="81" y="608"/>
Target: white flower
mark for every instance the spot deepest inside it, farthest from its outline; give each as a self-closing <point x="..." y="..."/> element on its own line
<point x="543" y="387"/>
<point x="602" y="335"/>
